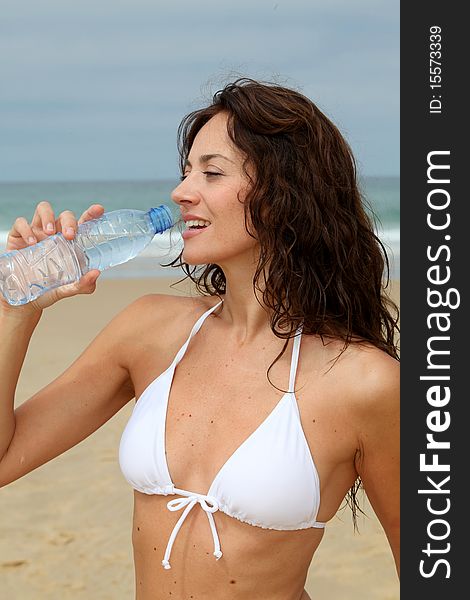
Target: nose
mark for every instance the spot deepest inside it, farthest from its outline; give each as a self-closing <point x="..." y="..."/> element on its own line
<point x="185" y="192"/>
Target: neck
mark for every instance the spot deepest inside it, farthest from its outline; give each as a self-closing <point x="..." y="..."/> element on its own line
<point x="243" y="311"/>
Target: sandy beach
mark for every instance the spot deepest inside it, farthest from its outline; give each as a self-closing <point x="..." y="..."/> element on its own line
<point x="65" y="528"/>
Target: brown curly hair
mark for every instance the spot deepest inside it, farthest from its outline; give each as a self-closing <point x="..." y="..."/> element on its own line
<point x="321" y="265"/>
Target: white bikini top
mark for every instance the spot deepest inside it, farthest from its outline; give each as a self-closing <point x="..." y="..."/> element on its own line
<point x="270" y="481"/>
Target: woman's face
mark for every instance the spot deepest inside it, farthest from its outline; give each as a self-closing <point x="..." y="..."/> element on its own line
<point x="213" y="190"/>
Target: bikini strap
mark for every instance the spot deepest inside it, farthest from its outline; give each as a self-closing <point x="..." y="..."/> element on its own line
<point x="295" y="359"/>
<point x="196" y="327"/>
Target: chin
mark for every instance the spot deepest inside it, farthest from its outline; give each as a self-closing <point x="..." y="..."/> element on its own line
<point x="237" y="254"/>
<point x="194" y="256"/>
<point x="193" y="259"/>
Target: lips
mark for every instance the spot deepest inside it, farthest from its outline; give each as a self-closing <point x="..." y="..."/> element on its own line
<point x="189" y="233"/>
<point x="191" y="217"/>
<point x="197" y="224"/>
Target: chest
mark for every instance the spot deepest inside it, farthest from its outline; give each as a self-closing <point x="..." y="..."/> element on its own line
<point x="220" y="396"/>
<point x="216" y="401"/>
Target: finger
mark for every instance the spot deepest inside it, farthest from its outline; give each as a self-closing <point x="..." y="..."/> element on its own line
<point x="88" y="281"/>
<point x="93" y="212"/>
<point x="20" y="235"/>
<point x="85" y="285"/>
<point x="67" y="224"/>
<point x="43" y="218"/>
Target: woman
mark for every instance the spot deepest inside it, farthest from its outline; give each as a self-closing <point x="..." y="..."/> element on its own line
<point x="287" y="393"/>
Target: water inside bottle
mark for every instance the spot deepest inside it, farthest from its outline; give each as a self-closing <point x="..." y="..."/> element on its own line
<point x="28" y="273"/>
<point x="104" y="251"/>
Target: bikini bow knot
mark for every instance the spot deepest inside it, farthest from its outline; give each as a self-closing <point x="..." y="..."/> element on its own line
<point x="208" y="503"/>
<point x="179" y="503"/>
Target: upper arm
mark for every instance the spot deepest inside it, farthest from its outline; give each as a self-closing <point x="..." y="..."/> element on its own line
<point x="379" y="460"/>
<point x="88" y="393"/>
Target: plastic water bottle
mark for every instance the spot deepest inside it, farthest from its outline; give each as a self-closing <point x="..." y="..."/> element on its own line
<point x="110" y="240"/>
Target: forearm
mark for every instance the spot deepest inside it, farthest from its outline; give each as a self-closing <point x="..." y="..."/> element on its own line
<point x="15" y="334"/>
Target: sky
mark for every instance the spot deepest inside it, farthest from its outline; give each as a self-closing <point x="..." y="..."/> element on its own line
<point x="95" y="89"/>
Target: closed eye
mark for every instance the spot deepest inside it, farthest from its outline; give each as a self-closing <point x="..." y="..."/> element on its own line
<point x="206" y="173"/>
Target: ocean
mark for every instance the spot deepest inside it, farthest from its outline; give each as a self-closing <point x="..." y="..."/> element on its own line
<point x="20" y="199"/>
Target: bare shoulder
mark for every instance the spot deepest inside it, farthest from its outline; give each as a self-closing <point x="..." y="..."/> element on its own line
<point x="363" y="378"/>
<point x="165" y="312"/>
<point x="157" y="325"/>
<point x="375" y="372"/>
<point x="372" y="380"/>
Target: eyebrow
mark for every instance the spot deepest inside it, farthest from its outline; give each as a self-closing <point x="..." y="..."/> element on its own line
<point x="204" y="158"/>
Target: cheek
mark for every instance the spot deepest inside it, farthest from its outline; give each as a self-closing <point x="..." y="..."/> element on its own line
<point x="234" y="223"/>
<point x="237" y="239"/>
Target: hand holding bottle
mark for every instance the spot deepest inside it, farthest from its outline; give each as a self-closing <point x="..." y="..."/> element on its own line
<point x="43" y="225"/>
<point x="63" y="258"/>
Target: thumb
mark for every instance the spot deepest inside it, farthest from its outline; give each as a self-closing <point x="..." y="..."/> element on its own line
<point x="85" y="285"/>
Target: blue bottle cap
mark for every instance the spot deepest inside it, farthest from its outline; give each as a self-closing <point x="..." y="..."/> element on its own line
<point x="161" y="217"/>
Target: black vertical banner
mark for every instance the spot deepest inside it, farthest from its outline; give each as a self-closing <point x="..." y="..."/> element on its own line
<point x="434" y="291"/>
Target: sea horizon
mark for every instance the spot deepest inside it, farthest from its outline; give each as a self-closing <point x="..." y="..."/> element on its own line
<point x="21" y="197"/>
